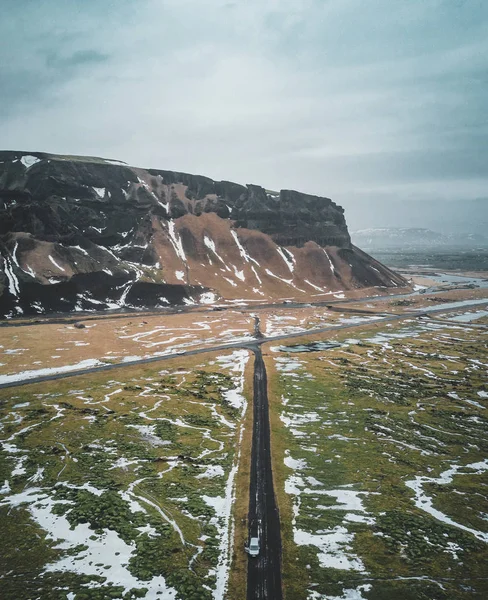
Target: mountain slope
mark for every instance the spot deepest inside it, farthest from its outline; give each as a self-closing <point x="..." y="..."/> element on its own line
<point x="83" y="233"/>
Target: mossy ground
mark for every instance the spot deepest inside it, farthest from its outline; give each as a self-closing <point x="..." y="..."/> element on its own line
<point x="85" y="436"/>
<point x="370" y="417"/>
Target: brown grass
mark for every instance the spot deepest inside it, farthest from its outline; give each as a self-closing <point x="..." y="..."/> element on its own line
<point x="107" y="338"/>
<point x="238" y="574"/>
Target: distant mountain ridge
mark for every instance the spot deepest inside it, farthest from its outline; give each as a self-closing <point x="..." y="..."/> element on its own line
<point x="449" y="217"/>
<point x="414" y="237"/>
<point x="87" y="233"/>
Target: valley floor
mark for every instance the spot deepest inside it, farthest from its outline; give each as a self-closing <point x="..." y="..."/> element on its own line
<point x="134" y="482"/>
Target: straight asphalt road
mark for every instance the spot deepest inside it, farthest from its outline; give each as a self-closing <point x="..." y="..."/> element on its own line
<point x="264" y="570"/>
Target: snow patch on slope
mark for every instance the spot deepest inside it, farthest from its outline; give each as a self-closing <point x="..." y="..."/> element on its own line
<point x="28" y="160"/>
<point x="176" y="241"/>
<point x="56" y="264"/>
<point x="290" y="263"/>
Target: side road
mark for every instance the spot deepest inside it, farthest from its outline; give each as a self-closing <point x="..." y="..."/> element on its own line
<point x="153" y="359"/>
<point x="238" y="344"/>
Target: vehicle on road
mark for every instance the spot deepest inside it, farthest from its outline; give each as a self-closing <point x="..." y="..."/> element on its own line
<point x="253" y="548"/>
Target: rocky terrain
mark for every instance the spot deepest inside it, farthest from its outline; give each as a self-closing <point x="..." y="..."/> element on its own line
<point x="84" y="233"/>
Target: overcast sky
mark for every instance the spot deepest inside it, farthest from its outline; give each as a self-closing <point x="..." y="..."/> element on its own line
<point x="350" y="99"/>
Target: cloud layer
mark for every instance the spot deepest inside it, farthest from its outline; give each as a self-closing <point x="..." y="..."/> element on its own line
<point x="336" y="97"/>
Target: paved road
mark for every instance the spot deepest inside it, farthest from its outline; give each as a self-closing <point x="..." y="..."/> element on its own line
<point x="263" y="571"/>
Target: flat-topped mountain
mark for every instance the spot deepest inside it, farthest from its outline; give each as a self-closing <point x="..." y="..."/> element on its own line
<point x="84" y="233"/>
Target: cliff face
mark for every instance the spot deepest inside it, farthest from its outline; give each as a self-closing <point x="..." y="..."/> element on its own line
<point x="80" y="233"/>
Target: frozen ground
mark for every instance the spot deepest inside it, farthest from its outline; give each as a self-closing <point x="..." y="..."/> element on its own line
<point x="289" y="321"/>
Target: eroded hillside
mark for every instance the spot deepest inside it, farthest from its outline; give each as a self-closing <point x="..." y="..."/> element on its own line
<point x="81" y="233"/>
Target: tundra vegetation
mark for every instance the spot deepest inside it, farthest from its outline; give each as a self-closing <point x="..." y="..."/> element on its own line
<point x="121" y="488"/>
<point x="380" y="449"/>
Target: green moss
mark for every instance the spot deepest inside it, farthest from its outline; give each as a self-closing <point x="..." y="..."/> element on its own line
<point x="78" y="438"/>
<point x="382" y="416"/>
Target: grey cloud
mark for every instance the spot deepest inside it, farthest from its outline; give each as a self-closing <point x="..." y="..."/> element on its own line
<point x="78" y="58"/>
<point x="334" y="97"/>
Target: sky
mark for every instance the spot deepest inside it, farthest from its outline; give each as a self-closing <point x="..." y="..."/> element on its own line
<point x="350" y="99"/>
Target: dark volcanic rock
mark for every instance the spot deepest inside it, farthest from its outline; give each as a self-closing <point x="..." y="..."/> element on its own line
<point x="85" y="233"/>
<point x="56" y="199"/>
<point x="293" y="218"/>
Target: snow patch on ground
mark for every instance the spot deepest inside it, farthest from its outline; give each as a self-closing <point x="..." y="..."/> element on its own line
<point x="100" y="192"/>
<point x="316" y="287"/>
<point x="236" y="363"/>
<point x="333" y="548"/>
<point x="84" y="364"/>
<point x="332" y="268"/>
<point x="290" y="262"/>
<point x="175" y="239"/>
<point x="105" y="549"/>
<point x="207" y="298"/>
<point x="148" y="432"/>
<point x="56" y="264"/>
<point x="293" y="463"/>
<point x="13" y="282"/>
<point x="350" y="594"/>
<point x="211" y="471"/>
<point x="425" y="502"/>
<point x="241" y="248"/>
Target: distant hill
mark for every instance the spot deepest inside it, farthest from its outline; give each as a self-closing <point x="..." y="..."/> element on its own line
<point x="442" y="216"/>
<point x="410" y="238"/>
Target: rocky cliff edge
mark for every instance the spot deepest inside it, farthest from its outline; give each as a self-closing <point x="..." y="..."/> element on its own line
<point x="85" y="233"/>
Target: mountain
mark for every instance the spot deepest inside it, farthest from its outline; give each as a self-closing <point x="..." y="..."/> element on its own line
<point x="449" y="217"/>
<point x="409" y="238"/>
<point x="85" y="233"/>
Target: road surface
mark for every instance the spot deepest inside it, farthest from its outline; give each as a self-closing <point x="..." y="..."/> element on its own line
<point x="264" y="570"/>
